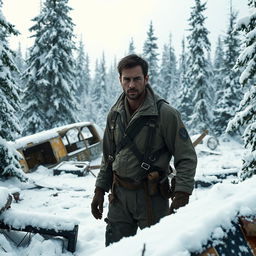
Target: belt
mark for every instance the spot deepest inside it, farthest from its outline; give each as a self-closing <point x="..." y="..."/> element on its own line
<point x="128" y="183"/>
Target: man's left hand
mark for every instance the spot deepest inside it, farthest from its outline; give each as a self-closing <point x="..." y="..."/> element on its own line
<point x="180" y="199"/>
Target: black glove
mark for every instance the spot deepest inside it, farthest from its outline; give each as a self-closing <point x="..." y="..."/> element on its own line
<point x="97" y="203"/>
<point x="180" y="199"/>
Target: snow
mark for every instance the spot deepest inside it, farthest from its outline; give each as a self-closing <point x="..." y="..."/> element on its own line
<point x="21" y="219"/>
<point x="194" y="224"/>
<point x="66" y="199"/>
<point x="4" y="194"/>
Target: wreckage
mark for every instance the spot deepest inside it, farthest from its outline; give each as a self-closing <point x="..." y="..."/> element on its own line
<point x="74" y="142"/>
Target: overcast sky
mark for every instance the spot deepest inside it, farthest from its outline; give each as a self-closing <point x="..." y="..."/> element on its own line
<point x="108" y="25"/>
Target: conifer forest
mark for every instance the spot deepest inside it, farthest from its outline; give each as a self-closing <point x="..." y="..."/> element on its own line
<point x="53" y="85"/>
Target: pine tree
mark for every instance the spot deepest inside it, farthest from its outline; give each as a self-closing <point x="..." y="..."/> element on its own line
<point x="198" y="69"/>
<point x="229" y="95"/>
<point x="113" y="83"/>
<point x="246" y="116"/>
<point x="50" y="95"/>
<point x="9" y="92"/>
<point x="168" y="75"/>
<point x="9" y="162"/>
<point x="185" y="102"/>
<point x="218" y="64"/>
<point x="104" y="93"/>
<point x="97" y="94"/>
<point x="82" y="75"/>
<point x="9" y="103"/>
<point x="164" y="75"/>
<point x="21" y="67"/>
<point x="150" y="54"/>
<point x="131" y="49"/>
<point x="87" y="101"/>
<point x="219" y="55"/>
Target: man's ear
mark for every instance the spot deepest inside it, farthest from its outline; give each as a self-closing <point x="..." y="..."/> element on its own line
<point x="120" y="79"/>
<point x="146" y="79"/>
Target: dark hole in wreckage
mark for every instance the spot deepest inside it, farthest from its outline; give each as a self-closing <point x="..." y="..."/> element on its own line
<point x="41" y="154"/>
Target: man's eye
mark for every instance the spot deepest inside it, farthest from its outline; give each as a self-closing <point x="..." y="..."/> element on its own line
<point x="137" y="79"/>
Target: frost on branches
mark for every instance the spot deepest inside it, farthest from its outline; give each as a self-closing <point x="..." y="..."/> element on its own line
<point x="9" y="162"/>
<point x="9" y="104"/>
<point x="9" y="98"/>
<point x="246" y="116"/>
<point x="228" y="89"/>
<point x="50" y="95"/>
<point x="151" y="56"/>
<point x="199" y="71"/>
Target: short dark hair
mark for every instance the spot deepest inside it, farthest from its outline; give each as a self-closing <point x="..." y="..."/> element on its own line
<point x="132" y="61"/>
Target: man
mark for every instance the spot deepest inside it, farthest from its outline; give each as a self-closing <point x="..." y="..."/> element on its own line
<point x="142" y="134"/>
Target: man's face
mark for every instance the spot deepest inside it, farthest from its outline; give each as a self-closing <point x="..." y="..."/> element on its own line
<point x="133" y="82"/>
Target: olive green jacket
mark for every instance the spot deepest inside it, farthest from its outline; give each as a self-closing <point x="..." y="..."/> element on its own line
<point x="169" y="132"/>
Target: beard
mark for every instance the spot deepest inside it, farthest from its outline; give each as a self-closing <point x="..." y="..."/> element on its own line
<point x="133" y="94"/>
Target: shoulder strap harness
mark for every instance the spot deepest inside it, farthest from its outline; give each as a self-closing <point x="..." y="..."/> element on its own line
<point x="148" y="157"/>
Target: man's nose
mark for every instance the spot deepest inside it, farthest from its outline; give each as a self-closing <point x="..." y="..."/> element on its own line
<point x="131" y="83"/>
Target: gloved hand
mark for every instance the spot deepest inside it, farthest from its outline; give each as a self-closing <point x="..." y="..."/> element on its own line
<point x="180" y="199"/>
<point x="97" y="203"/>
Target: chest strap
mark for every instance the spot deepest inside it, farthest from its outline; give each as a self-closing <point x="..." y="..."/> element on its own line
<point x="148" y="157"/>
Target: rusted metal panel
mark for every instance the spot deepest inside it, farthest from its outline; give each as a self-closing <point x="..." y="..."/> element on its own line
<point x="23" y="163"/>
<point x="59" y="149"/>
<point x="210" y="252"/>
<point x="249" y="230"/>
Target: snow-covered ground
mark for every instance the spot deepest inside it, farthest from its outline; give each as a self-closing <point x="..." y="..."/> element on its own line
<point x="210" y="211"/>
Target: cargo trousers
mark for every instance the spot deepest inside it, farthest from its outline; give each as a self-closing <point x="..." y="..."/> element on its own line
<point x="129" y="210"/>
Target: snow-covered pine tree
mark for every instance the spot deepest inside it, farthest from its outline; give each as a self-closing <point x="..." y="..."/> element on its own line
<point x="164" y="75"/>
<point x="198" y="70"/>
<point x="83" y="78"/>
<point x="9" y="90"/>
<point x="184" y="101"/>
<point x="35" y="100"/>
<point x="9" y="103"/>
<point x="9" y="162"/>
<point x="105" y="103"/>
<point x="87" y="100"/>
<point x="21" y="66"/>
<point x="151" y="56"/>
<point x="96" y="92"/>
<point x="218" y="65"/>
<point x="131" y="49"/>
<point x="168" y="75"/>
<point x="100" y="99"/>
<point x="19" y="79"/>
<point x="113" y="83"/>
<point x="246" y="116"/>
<point x="50" y="95"/>
<point x="229" y="92"/>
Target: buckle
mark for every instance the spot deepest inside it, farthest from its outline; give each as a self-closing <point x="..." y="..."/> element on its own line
<point x="111" y="158"/>
<point x="145" y="166"/>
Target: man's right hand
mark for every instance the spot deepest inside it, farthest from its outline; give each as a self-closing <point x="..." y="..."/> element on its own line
<point x="97" y="203"/>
